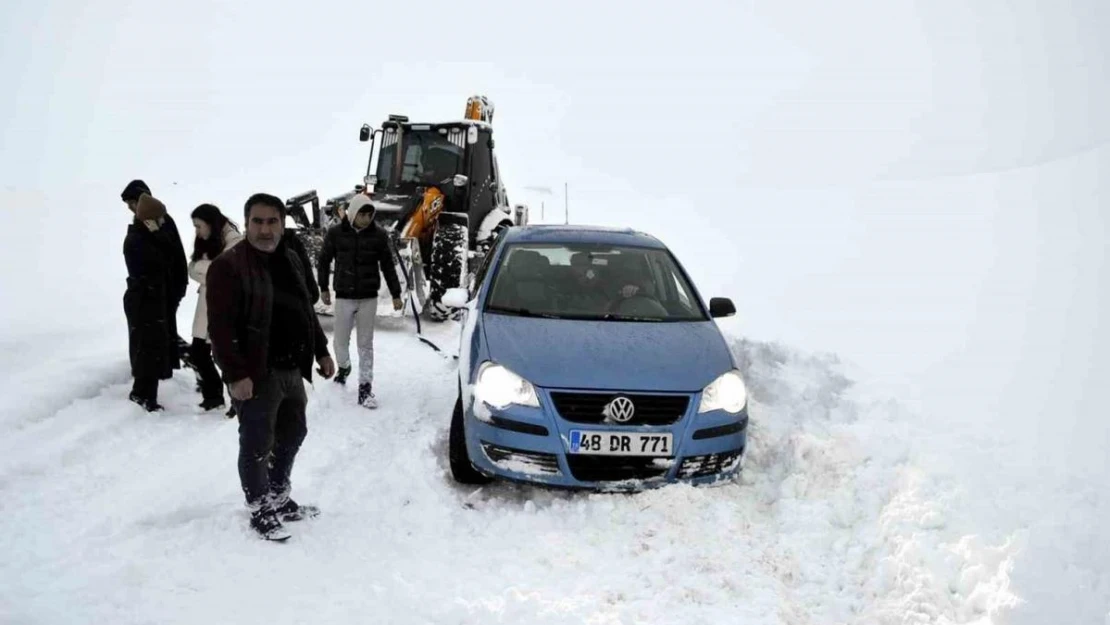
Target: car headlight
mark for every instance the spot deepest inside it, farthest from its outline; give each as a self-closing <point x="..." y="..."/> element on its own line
<point x="499" y="387"/>
<point x="726" y="393"/>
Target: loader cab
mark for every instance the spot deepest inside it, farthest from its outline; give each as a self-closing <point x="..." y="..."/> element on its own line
<point x="438" y="193"/>
<point x="456" y="157"/>
<point x="419" y="155"/>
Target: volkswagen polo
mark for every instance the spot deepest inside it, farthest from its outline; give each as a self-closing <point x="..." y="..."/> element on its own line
<point x="588" y="359"/>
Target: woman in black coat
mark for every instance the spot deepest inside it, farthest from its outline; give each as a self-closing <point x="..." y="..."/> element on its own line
<point x="151" y="299"/>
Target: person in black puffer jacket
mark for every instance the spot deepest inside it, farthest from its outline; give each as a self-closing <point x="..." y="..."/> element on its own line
<point x="360" y="249"/>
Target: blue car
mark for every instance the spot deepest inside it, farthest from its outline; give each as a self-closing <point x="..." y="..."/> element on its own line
<point x="587" y="359"/>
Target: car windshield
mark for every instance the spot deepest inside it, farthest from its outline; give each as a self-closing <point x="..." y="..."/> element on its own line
<point x="429" y="157"/>
<point x="586" y="281"/>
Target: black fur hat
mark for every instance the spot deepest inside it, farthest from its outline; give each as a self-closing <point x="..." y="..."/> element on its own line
<point x="133" y="190"/>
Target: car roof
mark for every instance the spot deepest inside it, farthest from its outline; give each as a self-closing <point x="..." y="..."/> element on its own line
<point x="578" y="233"/>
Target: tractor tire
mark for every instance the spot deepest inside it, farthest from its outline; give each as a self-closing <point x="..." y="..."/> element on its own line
<point x="449" y="265"/>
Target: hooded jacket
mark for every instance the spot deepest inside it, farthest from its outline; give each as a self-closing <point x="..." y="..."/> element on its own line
<point x="361" y="257"/>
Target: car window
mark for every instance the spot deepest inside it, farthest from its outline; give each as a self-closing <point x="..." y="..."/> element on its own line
<point x="589" y="281"/>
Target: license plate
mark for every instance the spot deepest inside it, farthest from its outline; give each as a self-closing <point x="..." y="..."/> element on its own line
<point x="621" y="443"/>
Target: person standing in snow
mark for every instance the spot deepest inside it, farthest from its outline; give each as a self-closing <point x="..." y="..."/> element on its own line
<point x="215" y="233"/>
<point x="265" y="335"/>
<point x="360" y="249"/>
<point x="150" y="298"/>
<point x="173" y="259"/>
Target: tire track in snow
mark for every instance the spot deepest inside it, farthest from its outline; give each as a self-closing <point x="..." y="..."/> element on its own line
<point x="47" y="374"/>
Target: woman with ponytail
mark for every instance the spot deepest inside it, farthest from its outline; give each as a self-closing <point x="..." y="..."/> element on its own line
<point x="215" y="233"/>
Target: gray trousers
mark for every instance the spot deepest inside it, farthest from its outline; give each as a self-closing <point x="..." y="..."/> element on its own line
<point x="357" y="314"/>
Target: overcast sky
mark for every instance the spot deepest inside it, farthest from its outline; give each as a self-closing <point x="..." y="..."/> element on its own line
<point x="917" y="186"/>
<point x="681" y="94"/>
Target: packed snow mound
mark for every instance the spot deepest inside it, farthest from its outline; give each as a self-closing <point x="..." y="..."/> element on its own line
<point x="860" y="529"/>
<point x="114" y="515"/>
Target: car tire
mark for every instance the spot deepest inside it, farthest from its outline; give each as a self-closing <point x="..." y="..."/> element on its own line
<point x="462" y="470"/>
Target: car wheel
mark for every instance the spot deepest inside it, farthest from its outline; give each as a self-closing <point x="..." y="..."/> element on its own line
<point x="461" y="468"/>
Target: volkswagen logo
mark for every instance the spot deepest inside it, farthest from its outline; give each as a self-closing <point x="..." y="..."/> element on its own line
<point x="620" y="410"/>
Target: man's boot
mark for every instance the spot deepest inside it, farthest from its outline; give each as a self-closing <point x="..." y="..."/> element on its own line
<point x="292" y="511"/>
<point x="341" y="375"/>
<point x="287" y="510"/>
<point x="266" y="522"/>
<point x="366" y="398"/>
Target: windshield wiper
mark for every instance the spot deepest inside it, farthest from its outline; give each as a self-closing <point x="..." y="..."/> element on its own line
<point x="616" y="317"/>
<point x="521" y="312"/>
<point x="525" y="312"/>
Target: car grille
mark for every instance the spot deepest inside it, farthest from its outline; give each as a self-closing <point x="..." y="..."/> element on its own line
<point x="649" y="409"/>
<point x="532" y="462"/>
<point x="612" y="469"/>
<point x="709" y="464"/>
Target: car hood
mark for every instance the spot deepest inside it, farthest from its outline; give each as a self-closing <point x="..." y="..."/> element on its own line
<point x="608" y="355"/>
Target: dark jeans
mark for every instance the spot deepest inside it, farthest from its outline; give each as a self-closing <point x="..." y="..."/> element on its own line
<point x="211" y="386"/>
<point x="271" y="429"/>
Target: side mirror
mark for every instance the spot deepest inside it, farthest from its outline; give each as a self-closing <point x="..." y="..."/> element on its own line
<point x="456" y="297"/>
<point x="461" y="180"/>
<point x="721" y="307"/>
<point x="364" y="134"/>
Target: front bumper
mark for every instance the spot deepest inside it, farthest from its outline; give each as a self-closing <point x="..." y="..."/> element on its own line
<point x="533" y="444"/>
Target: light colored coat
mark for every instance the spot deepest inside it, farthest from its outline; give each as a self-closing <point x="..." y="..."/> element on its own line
<point x="198" y="270"/>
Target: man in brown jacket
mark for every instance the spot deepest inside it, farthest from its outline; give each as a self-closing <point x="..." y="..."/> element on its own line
<point x="265" y="335"/>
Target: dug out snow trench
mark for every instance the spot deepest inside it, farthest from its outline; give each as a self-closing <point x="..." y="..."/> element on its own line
<point x="137" y="518"/>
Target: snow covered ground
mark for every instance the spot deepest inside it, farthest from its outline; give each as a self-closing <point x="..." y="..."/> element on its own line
<point x="851" y="509"/>
<point x="907" y="201"/>
<point x="113" y="515"/>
